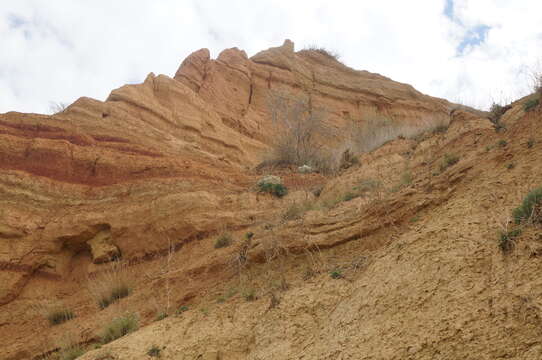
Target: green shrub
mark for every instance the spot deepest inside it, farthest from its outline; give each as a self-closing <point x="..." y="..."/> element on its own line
<point x="336" y="274"/>
<point x="530" y="209"/>
<point x="506" y="239"/>
<point x="502" y="143"/>
<point x="449" y="160"/>
<point x="530" y="143"/>
<point x="161" y="315"/>
<point x="277" y="190"/>
<point x="531" y="104"/>
<point x="119" y="327"/>
<point x="59" y="315"/>
<point x="182" y="309"/>
<point x="154" y="351"/>
<point x="496" y="111"/>
<point x="223" y="240"/>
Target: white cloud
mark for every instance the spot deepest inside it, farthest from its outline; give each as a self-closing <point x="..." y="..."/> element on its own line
<point x="64" y="49"/>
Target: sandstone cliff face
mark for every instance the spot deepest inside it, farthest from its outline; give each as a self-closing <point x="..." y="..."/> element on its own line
<point x="170" y="160"/>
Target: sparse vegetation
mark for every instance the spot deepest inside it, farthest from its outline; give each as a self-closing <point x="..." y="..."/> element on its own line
<point x="249" y="294"/>
<point x="336" y="274"/>
<point x="440" y="129"/>
<point x="502" y="143"/>
<point x="321" y="50"/>
<point x="506" y="239"/>
<point x="449" y="160"/>
<point x="71" y="352"/>
<point x="119" y="327"/>
<point x="154" y="351"/>
<point x="496" y="111"/>
<point x="111" y="285"/>
<point x="531" y="104"/>
<point x="366" y="185"/>
<point x="295" y="211"/>
<point x="277" y="190"/>
<point x="59" y="315"/>
<point x="376" y="130"/>
<point x="182" y="309"/>
<point x="510" y="166"/>
<point x="223" y="240"/>
<point x="349" y="196"/>
<point x="415" y="219"/>
<point x="530" y="210"/>
<point x="161" y="315"/>
<point x="405" y="180"/>
<point x="530" y="143"/>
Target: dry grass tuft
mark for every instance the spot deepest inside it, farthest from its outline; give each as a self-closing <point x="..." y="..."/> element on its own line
<point x="377" y="129"/>
<point x="111" y="285"/>
<point x="119" y="327"/>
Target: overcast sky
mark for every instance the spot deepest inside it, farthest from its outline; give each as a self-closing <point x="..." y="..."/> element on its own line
<point x="468" y="51"/>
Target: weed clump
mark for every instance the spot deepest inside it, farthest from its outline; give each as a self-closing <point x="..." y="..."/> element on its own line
<point x="223" y="240"/>
<point x="182" y="309"/>
<point x="249" y="294"/>
<point x="336" y="274"/>
<point x="502" y="143"/>
<point x="161" y="315"/>
<point x="119" y="327"/>
<point x="530" y="209"/>
<point x="58" y="316"/>
<point x="506" y="239"/>
<point x="449" y="160"/>
<point x="154" y="351"/>
<point x="111" y="285"/>
<point x="531" y="104"/>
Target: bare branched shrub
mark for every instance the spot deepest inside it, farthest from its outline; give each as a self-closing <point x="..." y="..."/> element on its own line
<point x="57" y="107"/>
<point x="300" y="129"/>
<point x="112" y="284"/>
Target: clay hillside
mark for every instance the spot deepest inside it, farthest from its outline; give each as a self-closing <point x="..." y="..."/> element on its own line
<point x="283" y="206"/>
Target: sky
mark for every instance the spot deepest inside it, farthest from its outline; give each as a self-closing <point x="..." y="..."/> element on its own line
<point x="473" y="52"/>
